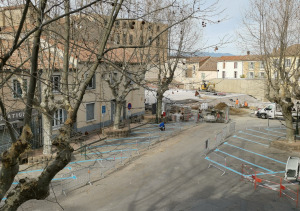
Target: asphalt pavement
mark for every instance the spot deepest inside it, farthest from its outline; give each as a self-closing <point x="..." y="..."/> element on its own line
<point x="174" y="174"/>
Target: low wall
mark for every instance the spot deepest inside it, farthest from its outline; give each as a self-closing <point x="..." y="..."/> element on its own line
<point x="254" y="87"/>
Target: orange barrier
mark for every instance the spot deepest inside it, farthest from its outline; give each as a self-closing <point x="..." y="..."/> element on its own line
<point x="282" y="186"/>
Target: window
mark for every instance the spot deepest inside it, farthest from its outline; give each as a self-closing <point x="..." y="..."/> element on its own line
<point x="141" y="40"/>
<point x="156" y="58"/>
<point x="157" y="42"/>
<point x="287" y="62"/>
<point x="118" y="39"/>
<point x="251" y="74"/>
<point x="194" y="67"/>
<point x="235" y="65"/>
<point x="275" y="75"/>
<point x="125" y="39"/>
<point x="202" y="76"/>
<point x="59" y="117"/>
<point x="224" y="65"/>
<point x="223" y="74"/>
<point x="113" y="77"/>
<point x="55" y="83"/>
<point x="92" y="84"/>
<point x="124" y="25"/>
<point x="150" y="27"/>
<point x="262" y="65"/>
<point x="130" y="39"/>
<point x="17" y="88"/>
<point x="149" y="40"/>
<point x="117" y="24"/>
<point x="157" y="28"/>
<point x="251" y="65"/>
<point x="235" y="74"/>
<point x="262" y="74"/>
<point x="90" y="111"/>
<point x="275" y="62"/>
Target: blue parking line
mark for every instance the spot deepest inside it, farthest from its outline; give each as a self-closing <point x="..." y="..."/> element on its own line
<point x="110" y="145"/>
<point x="73" y="177"/>
<point x="260" y="174"/>
<point x="255" y="153"/>
<point x="265" y="133"/>
<point x="92" y="160"/>
<point x="22" y="172"/>
<point x="250" y="140"/>
<point x="140" y="133"/>
<point x="255" y="135"/>
<point x="268" y="129"/>
<point x="217" y="150"/>
<point x="130" y="138"/>
<point x="239" y="173"/>
<point x="119" y="150"/>
<point x="230" y="169"/>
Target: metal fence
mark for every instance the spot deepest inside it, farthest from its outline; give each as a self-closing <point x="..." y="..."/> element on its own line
<point x="98" y="160"/>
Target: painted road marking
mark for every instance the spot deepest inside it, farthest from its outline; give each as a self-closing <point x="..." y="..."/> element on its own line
<point x="92" y="160"/>
<point x="22" y="172"/>
<point x="260" y="174"/>
<point x="255" y="135"/>
<point x="239" y="173"/>
<point x="217" y="150"/>
<point x="250" y="140"/>
<point x="268" y="129"/>
<point x="73" y="177"/>
<point x="207" y="158"/>
<point x="119" y="150"/>
<point x="110" y="145"/>
<point x="255" y="153"/>
<point x="265" y="133"/>
<point x="130" y="138"/>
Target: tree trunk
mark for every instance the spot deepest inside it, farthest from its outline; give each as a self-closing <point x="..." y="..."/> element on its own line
<point x="159" y="107"/>
<point x="290" y="137"/>
<point x="117" y="119"/>
<point x="47" y="134"/>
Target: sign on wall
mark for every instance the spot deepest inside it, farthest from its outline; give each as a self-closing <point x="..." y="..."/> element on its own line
<point x="103" y="110"/>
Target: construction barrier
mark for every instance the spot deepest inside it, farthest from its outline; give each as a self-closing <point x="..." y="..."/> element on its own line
<point x="278" y="184"/>
<point x="217" y="161"/>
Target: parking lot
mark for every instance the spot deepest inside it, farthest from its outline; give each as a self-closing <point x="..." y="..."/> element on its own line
<point x="174" y="174"/>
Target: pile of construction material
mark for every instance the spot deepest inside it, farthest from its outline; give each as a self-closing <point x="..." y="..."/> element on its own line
<point x="220" y="113"/>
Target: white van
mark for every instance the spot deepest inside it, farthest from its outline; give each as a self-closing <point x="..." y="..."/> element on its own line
<point x="292" y="168"/>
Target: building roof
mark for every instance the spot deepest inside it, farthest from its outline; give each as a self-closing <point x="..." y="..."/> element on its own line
<point x="197" y="59"/>
<point x="209" y="65"/>
<point x="253" y="58"/>
<point x="231" y="58"/>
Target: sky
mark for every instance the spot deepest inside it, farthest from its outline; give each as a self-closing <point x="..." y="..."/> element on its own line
<point x="213" y="32"/>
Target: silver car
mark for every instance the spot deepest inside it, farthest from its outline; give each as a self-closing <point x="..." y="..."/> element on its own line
<point x="292" y="168"/>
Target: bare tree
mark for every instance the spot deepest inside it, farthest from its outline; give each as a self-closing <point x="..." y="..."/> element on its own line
<point x="271" y="31"/>
<point x="38" y="188"/>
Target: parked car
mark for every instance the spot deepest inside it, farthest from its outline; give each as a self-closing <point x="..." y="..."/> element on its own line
<point x="292" y="169"/>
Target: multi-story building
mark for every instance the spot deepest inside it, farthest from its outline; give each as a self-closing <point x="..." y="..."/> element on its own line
<point x="253" y="67"/>
<point x="230" y="67"/>
<point x="98" y="106"/>
<point x="208" y="69"/>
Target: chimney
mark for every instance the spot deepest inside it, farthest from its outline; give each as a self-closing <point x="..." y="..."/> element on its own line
<point x="248" y="52"/>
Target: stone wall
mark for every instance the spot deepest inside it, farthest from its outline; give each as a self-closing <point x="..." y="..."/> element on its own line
<point x="254" y="87"/>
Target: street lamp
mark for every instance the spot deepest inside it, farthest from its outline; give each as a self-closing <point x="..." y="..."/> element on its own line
<point x="297" y="129"/>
